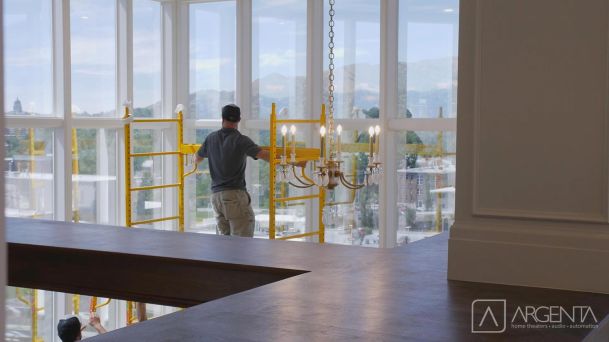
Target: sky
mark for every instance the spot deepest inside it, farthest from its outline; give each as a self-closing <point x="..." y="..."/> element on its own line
<point x="278" y="42"/>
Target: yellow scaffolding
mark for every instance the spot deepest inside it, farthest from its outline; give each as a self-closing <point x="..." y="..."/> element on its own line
<point x="182" y="150"/>
<point x="34" y="309"/>
<point x="302" y="154"/>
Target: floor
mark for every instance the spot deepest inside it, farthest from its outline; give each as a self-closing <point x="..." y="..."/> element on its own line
<point x="260" y="290"/>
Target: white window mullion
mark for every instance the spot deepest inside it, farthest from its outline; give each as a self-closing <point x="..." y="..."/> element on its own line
<point x="244" y="57"/>
<point x="124" y="90"/>
<point x="62" y="107"/>
<point x="176" y="67"/>
<point x="124" y="57"/>
<point x="315" y="72"/>
<point x="176" y="73"/>
<point x="388" y="108"/>
<point x="243" y="89"/>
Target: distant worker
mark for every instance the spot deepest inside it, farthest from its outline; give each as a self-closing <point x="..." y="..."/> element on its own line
<point x="227" y="150"/>
<point x="69" y="330"/>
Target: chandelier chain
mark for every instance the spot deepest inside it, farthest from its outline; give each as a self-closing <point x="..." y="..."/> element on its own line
<point x="331" y="56"/>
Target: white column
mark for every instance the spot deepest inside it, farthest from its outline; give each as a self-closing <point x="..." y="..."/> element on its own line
<point x="533" y="142"/>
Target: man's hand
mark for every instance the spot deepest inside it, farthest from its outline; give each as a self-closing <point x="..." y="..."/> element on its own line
<point x="96" y="323"/>
<point x="94" y="320"/>
<point x="196" y="159"/>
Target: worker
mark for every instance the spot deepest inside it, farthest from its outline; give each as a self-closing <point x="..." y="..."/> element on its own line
<point x="227" y="150"/>
<point x="69" y="329"/>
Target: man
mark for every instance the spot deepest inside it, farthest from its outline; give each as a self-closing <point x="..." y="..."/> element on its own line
<point x="69" y="330"/>
<point x="227" y="151"/>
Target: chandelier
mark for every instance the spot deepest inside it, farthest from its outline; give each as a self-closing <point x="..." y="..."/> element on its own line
<point x="327" y="170"/>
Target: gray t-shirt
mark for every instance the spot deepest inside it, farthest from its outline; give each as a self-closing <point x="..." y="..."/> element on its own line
<point x="227" y="150"/>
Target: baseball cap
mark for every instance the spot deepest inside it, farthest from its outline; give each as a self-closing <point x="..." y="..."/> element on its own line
<point x="231" y="113"/>
<point x="68" y="329"/>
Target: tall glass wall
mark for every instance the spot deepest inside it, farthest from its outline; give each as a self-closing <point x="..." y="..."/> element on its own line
<point x="190" y="50"/>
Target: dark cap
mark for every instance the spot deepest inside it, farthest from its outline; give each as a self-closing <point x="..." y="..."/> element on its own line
<point x="68" y="329"/>
<point x="231" y="113"/>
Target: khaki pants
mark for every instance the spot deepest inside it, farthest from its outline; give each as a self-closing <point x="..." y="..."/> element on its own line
<point x="234" y="214"/>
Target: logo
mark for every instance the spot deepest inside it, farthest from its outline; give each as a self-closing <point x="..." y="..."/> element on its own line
<point x="488" y="316"/>
<point x="554" y="316"/>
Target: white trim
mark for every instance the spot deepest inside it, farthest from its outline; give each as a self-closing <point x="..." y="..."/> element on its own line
<point x="476" y="114"/>
<point x="528" y="253"/>
<point x="538" y="214"/>
<point x="32" y="122"/>
<point x="98" y="123"/>
<point x="209" y="123"/>
<point x="446" y="124"/>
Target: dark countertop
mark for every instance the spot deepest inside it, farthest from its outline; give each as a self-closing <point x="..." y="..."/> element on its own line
<point x="277" y="290"/>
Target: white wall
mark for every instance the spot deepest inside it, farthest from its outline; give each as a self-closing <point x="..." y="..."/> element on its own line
<point x="532" y="205"/>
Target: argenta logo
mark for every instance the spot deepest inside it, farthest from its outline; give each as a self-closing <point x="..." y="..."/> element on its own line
<point x="554" y="314"/>
<point x="489" y="316"/>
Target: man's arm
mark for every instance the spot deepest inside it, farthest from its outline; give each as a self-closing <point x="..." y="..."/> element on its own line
<point x="264" y="155"/>
<point x="197" y="159"/>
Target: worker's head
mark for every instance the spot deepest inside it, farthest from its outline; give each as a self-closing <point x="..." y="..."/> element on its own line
<point x="69" y="329"/>
<point x="231" y="115"/>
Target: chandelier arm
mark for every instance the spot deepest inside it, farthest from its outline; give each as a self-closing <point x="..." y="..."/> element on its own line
<point x="305" y="177"/>
<point x="301" y="186"/>
<point x="311" y="183"/>
<point x="349" y="185"/>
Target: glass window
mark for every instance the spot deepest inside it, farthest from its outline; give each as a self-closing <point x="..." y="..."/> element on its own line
<point x="19" y="303"/>
<point x="28" y="69"/>
<point x="147" y="58"/>
<point x="19" y="326"/>
<point x="212" y="58"/>
<point x="427" y="54"/>
<point x="204" y="221"/>
<point x="149" y="171"/>
<point x="93" y="39"/>
<point x="94" y="176"/>
<point x="355" y="212"/>
<point x="258" y="186"/>
<point x="357" y="58"/>
<point x="29" y="172"/>
<point x="426" y="184"/>
<point x="290" y="217"/>
<point x="279" y="48"/>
